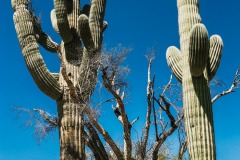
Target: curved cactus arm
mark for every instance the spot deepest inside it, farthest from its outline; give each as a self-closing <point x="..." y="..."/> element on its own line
<point x="46" y="42"/>
<point x="41" y="75"/>
<point x="91" y="33"/>
<point x="62" y="20"/>
<point x="174" y="60"/>
<point x="96" y="16"/>
<point x="53" y="18"/>
<point x="215" y="54"/>
<point x="85" y="33"/>
<point x="198" y="49"/>
<point x="43" y="39"/>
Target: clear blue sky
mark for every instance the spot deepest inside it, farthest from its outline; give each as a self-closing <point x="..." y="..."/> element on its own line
<point x="140" y="25"/>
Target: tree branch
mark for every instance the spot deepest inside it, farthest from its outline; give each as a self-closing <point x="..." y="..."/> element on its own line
<point x="234" y="85"/>
<point x="154" y="111"/>
<point x="168" y="112"/>
<point x="182" y="149"/>
<point x="96" y="141"/>
<point x="104" y="133"/>
<point x="121" y="113"/>
<point x="91" y="145"/>
<point x="46" y="117"/>
<point x="163" y="136"/>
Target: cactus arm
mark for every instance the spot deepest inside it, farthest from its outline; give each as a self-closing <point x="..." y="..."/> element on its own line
<point x="91" y="33"/>
<point x="85" y="33"/>
<point x="53" y="18"/>
<point x="41" y="75"/>
<point x="62" y="20"/>
<point x="198" y="49"/>
<point x="174" y="60"/>
<point x="43" y="39"/>
<point x="215" y="54"/>
<point x="96" y="16"/>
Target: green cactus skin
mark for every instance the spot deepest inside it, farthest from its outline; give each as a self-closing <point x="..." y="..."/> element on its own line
<point x="194" y="68"/>
<point x="80" y="64"/>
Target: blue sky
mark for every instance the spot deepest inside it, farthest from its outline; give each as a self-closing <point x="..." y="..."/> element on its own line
<point x="138" y="24"/>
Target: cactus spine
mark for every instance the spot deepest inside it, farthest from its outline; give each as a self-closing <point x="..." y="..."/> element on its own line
<point x="79" y="65"/>
<point x="194" y="66"/>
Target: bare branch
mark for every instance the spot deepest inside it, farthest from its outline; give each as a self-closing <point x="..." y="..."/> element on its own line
<point x="234" y="85"/>
<point x="163" y="136"/>
<point x="43" y="122"/>
<point x="119" y="99"/>
<point x="106" y="101"/>
<point x="91" y="145"/>
<point x="104" y="133"/>
<point x="46" y="116"/>
<point x="149" y="111"/>
<point x="154" y="112"/>
<point x="96" y="141"/>
<point x="168" y="112"/>
<point x="134" y="121"/>
<point x="182" y="149"/>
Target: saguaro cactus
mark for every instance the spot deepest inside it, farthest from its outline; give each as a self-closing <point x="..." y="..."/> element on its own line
<point x="194" y="66"/>
<point x="78" y="65"/>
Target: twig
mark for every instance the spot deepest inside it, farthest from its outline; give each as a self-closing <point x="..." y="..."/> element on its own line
<point x="134" y="121"/>
<point x="167" y="86"/>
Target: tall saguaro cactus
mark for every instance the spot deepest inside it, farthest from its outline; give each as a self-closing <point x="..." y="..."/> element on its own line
<point x="194" y="66"/>
<point x="78" y="65"/>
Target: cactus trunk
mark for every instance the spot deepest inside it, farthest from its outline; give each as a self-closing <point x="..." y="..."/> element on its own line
<point x="71" y="125"/>
<point x="70" y="113"/>
<point x="198" y="117"/>
<point x="194" y="68"/>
